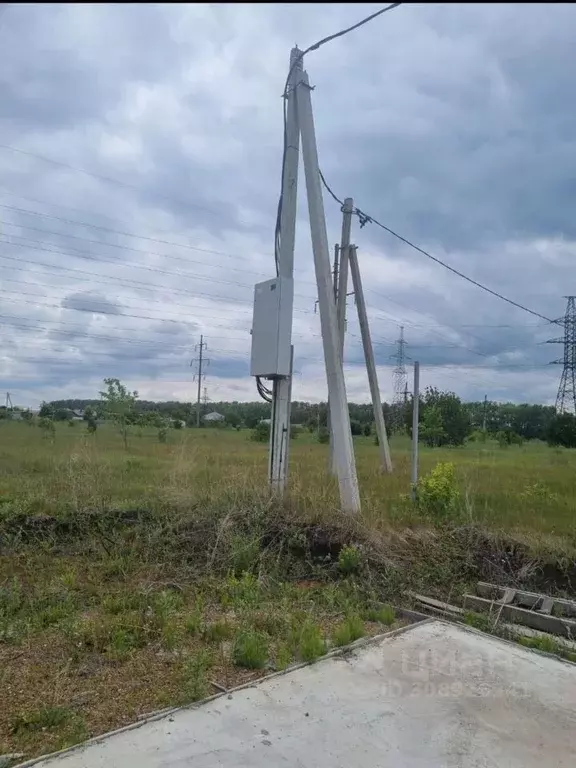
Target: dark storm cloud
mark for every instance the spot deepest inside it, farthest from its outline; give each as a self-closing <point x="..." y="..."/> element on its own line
<point x="91" y="302"/>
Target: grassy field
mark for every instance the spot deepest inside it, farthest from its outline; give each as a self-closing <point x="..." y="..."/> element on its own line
<point x="135" y="580"/>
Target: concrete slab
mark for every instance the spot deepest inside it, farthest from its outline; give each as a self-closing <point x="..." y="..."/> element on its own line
<point x="434" y="696"/>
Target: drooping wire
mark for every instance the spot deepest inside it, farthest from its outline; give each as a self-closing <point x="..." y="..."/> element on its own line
<point x="297" y="60"/>
<point x="365" y="218"/>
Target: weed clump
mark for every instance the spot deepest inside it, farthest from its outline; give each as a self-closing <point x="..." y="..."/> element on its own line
<point x="349" y="560"/>
<point x="385" y="614"/>
<point x="250" y="650"/>
<point x="218" y="631"/>
<point x="352" y="628"/>
<point x="194" y="676"/>
<point x="309" y="642"/>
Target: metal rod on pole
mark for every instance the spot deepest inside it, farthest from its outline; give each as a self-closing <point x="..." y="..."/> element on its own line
<point x="415" y="424"/>
<point x="282" y="386"/>
<point x="343" y="447"/>
<point x="370" y="362"/>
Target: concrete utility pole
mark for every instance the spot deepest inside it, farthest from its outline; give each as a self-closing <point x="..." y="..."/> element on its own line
<point x="484" y="413"/>
<point x="200" y="375"/>
<point x="282" y="386"/>
<point x="335" y="273"/>
<point x="342" y="292"/>
<point x="370" y="362"/>
<point x="340" y="417"/>
<point x="415" y="428"/>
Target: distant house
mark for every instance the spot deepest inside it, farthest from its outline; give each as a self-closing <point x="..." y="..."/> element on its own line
<point x="214" y="418"/>
<point x="266" y="421"/>
<point x="77" y="415"/>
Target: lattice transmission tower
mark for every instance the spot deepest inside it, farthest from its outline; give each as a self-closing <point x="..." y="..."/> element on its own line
<point x="566" y="397"/>
<point x="400" y="380"/>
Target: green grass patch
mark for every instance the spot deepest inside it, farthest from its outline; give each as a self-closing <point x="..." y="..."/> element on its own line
<point x="384" y="614"/>
<point x="352" y="628"/>
<point x="250" y="649"/>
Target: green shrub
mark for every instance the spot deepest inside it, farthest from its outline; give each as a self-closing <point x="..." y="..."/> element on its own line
<point x="349" y="560"/>
<point x="437" y="494"/>
<point x="323" y="435"/>
<point x="260" y="433"/>
<point x="352" y="628"/>
<point x="250" y="650"/>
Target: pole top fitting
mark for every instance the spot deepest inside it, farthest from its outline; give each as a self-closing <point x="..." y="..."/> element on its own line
<point x="296" y="57"/>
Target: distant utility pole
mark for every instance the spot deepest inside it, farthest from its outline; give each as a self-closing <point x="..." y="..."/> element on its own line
<point x="341" y="295"/>
<point x="205" y="397"/>
<point x="415" y="430"/>
<point x="199" y="375"/>
<point x="400" y="382"/>
<point x="566" y="397"/>
<point x="370" y="362"/>
<point x="484" y="413"/>
<point x="9" y="401"/>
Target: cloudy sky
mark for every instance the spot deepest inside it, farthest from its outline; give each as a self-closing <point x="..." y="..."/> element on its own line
<point x="140" y="150"/>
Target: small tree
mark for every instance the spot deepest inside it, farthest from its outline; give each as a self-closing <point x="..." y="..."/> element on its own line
<point x="432" y="427"/>
<point x="367" y="430"/>
<point x="47" y="426"/>
<point x="261" y="432"/>
<point x="120" y="405"/>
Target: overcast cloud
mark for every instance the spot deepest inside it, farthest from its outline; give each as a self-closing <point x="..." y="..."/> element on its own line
<point x="128" y="129"/>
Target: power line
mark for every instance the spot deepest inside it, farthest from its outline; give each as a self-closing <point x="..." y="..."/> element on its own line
<point x="108" y="179"/>
<point x="134" y="284"/>
<point x="365" y="218"/>
<point x="109" y="230"/>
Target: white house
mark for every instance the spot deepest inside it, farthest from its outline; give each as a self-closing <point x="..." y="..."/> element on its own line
<point x="214" y="417"/>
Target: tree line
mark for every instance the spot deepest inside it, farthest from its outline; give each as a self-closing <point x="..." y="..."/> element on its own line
<point x="444" y="418"/>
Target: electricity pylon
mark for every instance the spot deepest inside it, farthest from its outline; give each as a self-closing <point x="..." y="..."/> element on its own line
<point x="199" y="376"/>
<point x="400" y="380"/>
<point x="566" y="397"/>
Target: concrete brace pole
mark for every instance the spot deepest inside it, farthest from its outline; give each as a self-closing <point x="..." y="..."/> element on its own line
<point x="415" y="417"/>
<point x="342" y="291"/>
<point x="370" y="362"/>
<point x="343" y="447"/>
<point x="282" y="386"/>
<point x="328" y="422"/>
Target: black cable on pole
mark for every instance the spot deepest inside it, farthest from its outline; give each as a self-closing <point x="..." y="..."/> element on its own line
<point x="365" y="218"/>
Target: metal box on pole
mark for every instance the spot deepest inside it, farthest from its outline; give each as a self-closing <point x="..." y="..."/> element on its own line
<point x="272" y="328"/>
